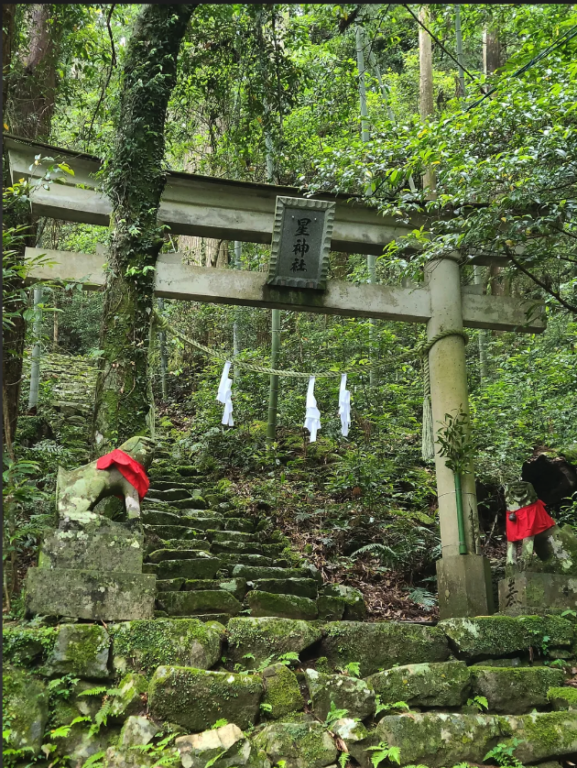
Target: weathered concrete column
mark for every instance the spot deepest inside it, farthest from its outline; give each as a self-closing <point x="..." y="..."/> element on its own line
<point x="464" y="580"/>
<point x="36" y="350"/>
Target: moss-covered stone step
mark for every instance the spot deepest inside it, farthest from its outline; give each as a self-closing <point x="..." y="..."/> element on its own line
<point x="25" y="707"/>
<point x="563" y="698"/>
<point x="238" y="547"/>
<point x="195" y="502"/>
<point x="486" y="637"/>
<point x="253" y="574"/>
<point x="198" y="543"/>
<point x="169" y="494"/>
<point x="166" y="532"/>
<point x="515" y="691"/>
<point x="164" y="485"/>
<point x="160" y="517"/>
<point x="174" y="554"/>
<point x="273" y="550"/>
<point x="200" y="523"/>
<point x="233" y="558"/>
<point x="170" y="585"/>
<point x="268" y="637"/>
<point x="195" y="699"/>
<point x="302" y="743"/>
<point x="344" y="691"/>
<point x="246" y="525"/>
<point x="216" y="535"/>
<point x="299" y="587"/>
<point x="445" y="684"/>
<point x="200" y="568"/>
<point x="381" y="645"/>
<point x="194" y="602"/>
<point x="281" y="606"/>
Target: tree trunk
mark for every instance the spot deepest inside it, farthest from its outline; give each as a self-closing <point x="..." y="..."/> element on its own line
<point x="134" y="182"/>
<point x="426" y="104"/>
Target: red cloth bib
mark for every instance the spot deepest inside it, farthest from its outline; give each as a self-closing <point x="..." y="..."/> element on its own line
<point x="128" y="467"/>
<point x="530" y="521"/>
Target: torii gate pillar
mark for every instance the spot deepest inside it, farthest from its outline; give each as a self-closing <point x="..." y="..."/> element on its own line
<point x="464" y="581"/>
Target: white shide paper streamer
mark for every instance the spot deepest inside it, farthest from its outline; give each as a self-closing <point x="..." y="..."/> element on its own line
<point x="225" y="396"/>
<point x="344" y="406"/>
<point x="313" y="415"/>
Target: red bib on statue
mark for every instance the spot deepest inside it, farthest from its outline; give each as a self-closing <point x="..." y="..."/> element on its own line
<point x="130" y="469"/>
<point x="529" y="521"/>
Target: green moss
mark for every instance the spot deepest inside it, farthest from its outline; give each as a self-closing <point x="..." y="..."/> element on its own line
<point x="281" y="691"/>
<point x="514" y="690"/>
<point x="24" y="709"/>
<point x="563" y="697"/>
<point x="283" y="606"/>
<point x="144" y="645"/>
<point x="269" y="637"/>
<point x="24" y="647"/>
<point x="80" y="649"/>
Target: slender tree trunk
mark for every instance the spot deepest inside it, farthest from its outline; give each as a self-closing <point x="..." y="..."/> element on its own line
<point x="426" y="104"/>
<point x="134" y="182"/>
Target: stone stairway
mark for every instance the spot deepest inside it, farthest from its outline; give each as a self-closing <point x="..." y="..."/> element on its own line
<point x="72" y="379"/>
<point x="212" y="564"/>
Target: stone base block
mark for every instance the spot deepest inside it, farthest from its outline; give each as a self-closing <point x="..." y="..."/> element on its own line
<point x="100" y="546"/>
<point x="534" y="593"/>
<point x="93" y="595"/>
<point x="465" y="589"/>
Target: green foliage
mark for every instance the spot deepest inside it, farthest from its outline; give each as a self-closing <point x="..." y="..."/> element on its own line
<point x="383" y="752"/>
<point x="503" y="754"/>
<point x="334" y="714"/>
<point x="479" y="702"/>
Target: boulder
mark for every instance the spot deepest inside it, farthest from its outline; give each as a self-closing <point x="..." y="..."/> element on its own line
<point x="331" y="608"/>
<point x="514" y="691"/>
<point x="24" y="709"/>
<point x="196" y="698"/>
<point x="495" y="636"/>
<point x="227" y="747"/>
<point x="282" y="692"/>
<point x="355" y="608"/>
<point x="423" y="685"/>
<point x="282" y="606"/>
<point x="345" y="692"/>
<point x="381" y="645"/>
<point x="141" y="646"/>
<point x="300" y="745"/>
<point x="268" y="638"/>
<point x="541" y="735"/>
<point x="82" y="650"/>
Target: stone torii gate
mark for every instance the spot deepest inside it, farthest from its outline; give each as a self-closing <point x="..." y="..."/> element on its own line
<point x="232" y="210"/>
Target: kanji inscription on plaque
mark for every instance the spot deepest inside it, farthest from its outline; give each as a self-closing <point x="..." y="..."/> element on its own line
<point x="300" y="243"/>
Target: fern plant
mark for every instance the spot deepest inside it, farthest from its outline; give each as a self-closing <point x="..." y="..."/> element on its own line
<point x="383" y="752"/>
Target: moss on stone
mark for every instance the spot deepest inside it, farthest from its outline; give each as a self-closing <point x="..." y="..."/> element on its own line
<point x="562" y="697"/>
<point x="382" y="645"/>
<point x="80" y="649"/>
<point x="144" y="645"/>
<point x="24" y="647"/>
<point x="281" y="691"/>
<point x="196" y="698"/>
<point x="541" y="735"/>
<point x="24" y="709"/>
<point x="283" y="606"/>
<point x="298" y="744"/>
<point x="189" y="603"/>
<point x="345" y="692"/>
<point x="423" y="685"/>
<point x="514" y="690"/>
<point x="269" y="637"/>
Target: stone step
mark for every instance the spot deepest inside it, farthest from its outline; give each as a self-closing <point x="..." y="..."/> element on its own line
<point x="170" y="494"/>
<point x="236" y="587"/>
<point x="173" y="554"/>
<point x="215" y="535"/>
<point x="170" y="531"/>
<point x="272" y="550"/>
<point x="281" y="606"/>
<point x="232" y="547"/>
<point x="194" y="502"/>
<point x="164" y="485"/>
<point x="206" y="524"/>
<point x="232" y="559"/>
<point x="159" y="517"/>
<point x="198" y="568"/>
<point x="239" y="524"/>
<point x="170" y="585"/>
<point x="200" y="544"/>
<point x="298" y="587"/>
<point x="194" y="602"/>
<point x="252" y="573"/>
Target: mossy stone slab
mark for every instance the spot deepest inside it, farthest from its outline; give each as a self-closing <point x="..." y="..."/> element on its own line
<point x="514" y="691"/>
<point x="237" y="547"/>
<point x="237" y="536"/>
<point x="355" y="608"/>
<point x="160" y="517"/>
<point x="438" y="739"/>
<point x="283" y="606"/>
<point x="81" y="650"/>
<point x="198" y="568"/>
<point x="345" y="692"/>
<point x="496" y="636"/>
<point x="168" y="494"/>
<point x="93" y="595"/>
<point x="246" y="525"/>
<point x="95" y="547"/>
<point x="252" y="573"/>
<point x="198" y="544"/>
<point x="129" y="701"/>
<point x="196" y="699"/>
<point x="171" y="531"/>
<point x="194" y="585"/>
<point x="26" y="646"/>
<point x="444" y="684"/>
<point x="300" y="745"/>
<point x="237" y="587"/>
<point x="196" y="501"/>
<point x="141" y="646"/>
<point x="173" y="554"/>
<point x="282" y="692"/>
<point x="268" y="637"/>
<point x="201" y="601"/>
<point x="381" y="645"/>
<point x="541" y="736"/>
<point x="169" y="585"/>
<point x="224" y="747"/>
<point x="24" y="709"/>
<point x="331" y="608"/>
<point x="299" y="587"/>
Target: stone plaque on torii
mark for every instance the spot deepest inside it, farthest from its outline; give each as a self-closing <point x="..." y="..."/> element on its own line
<point x="232" y="210"/>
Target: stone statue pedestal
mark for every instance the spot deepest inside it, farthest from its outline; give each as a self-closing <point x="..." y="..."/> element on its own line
<point x="529" y="592"/>
<point x="92" y="572"/>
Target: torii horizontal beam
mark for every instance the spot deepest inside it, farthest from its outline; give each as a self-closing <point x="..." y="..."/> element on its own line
<point x="204" y="206"/>
<point x="176" y="280"/>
